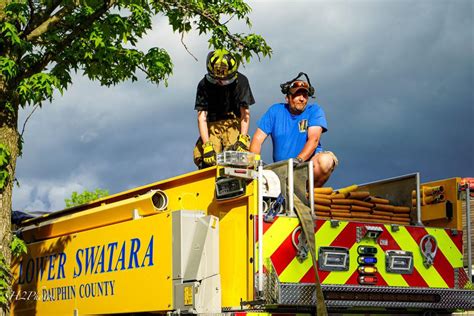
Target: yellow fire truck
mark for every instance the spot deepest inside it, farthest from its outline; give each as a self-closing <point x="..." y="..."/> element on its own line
<point x="227" y="240"/>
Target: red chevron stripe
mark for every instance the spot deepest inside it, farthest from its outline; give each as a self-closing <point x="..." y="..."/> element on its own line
<point x="284" y="254"/>
<point x="346" y="238"/>
<point x="309" y="276"/>
<point x="414" y="279"/>
<point x="380" y="280"/>
<point x="457" y="240"/>
<point x="318" y="224"/>
<point x="387" y="242"/>
<point x="444" y="268"/>
<point x="441" y="264"/>
<point x="266" y="226"/>
<point x="354" y="279"/>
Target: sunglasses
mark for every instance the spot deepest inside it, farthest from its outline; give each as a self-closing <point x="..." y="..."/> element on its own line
<point x="299" y="84"/>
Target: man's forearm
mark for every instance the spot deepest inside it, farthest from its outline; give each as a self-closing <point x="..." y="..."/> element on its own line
<point x="202" y="126"/>
<point x="257" y="141"/>
<point x="314" y="135"/>
<point x="244" y="120"/>
<point x="308" y="149"/>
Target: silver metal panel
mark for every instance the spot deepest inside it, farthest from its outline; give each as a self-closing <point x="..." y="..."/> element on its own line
<point x="178" y="297"/>
<point x="205" y="296"/>
<point x="195" y="245"/>
<point x="290" y="211"/>
<point x="195" y="249"/>
<point x="304" y="294"/>
<point x="397" y="190"/>
<point x="302" y="183"/>
<point x="389" y="297"/>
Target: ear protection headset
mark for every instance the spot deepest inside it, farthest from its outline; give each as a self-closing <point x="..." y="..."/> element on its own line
<point x="285" y="87"/>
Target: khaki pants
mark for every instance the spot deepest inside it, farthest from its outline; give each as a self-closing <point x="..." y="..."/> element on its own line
<point x="223" y="135"/>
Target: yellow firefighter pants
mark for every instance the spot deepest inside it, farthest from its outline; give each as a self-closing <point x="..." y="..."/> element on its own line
<point x="223" y="135"/>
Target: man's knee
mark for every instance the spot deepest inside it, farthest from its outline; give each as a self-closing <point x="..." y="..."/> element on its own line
<point x="326" y="162"/>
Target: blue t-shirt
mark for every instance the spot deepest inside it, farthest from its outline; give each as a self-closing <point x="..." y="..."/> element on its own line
<point x="289" y="132"/>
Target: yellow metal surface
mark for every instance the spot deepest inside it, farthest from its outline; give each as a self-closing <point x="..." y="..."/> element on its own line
<point x="188" y="295"/>
<point x="119" y="268"/>
<point x="192" y="191"/>
<point x="103" y="215"/>
<point x="434" y="215"/>
<point x="236" y="247"/>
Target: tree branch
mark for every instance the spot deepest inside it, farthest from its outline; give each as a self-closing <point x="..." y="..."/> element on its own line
<point x="38" y="19"/>
<point x="48" y="24"/>
<point x="27" y="118"/>
<point x="187" y="6"/>
<point x="186" y="47"/>
<point x="80" y="28"/>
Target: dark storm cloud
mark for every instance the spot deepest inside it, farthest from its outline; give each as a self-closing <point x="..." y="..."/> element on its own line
<point x="394" y="77"/>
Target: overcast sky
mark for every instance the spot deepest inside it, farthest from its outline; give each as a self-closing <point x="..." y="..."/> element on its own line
<point x="395" y="79"/>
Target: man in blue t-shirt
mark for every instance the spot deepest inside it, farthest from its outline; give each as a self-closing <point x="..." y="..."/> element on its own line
<point x="295" y="128"/>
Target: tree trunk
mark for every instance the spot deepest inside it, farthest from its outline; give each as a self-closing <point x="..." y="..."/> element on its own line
<point x="9" y="137"/>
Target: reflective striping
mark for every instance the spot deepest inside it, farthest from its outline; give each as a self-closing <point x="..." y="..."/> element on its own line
<point x="277" y="233"/>
<point x="279" y="248"/>
<point x="413" y="279"/>
<point x="296" y="270"/>
<point x="407" y="243"/>
<point x="282" y="257"/>
<point x="341" y="277"/>
<point x="327" y="234"/>
<point x="392" y="279"/>
<point x="345" y="230"/>
<point x="447" y="247"/>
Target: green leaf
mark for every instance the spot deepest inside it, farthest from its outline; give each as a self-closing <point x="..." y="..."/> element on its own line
<point x="18" y="246"/>
<point x="3" y="179"/>
<point x="10" y="31"/>
<point x="85" y="197"/>
<point x="4" y="156"/>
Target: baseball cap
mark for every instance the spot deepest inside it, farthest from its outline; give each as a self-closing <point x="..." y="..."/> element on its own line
<point x="298" y="85"/>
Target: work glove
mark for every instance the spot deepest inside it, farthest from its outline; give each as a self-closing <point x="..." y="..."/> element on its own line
<point x="209" y="154"/>
<point x="242" y="143"/>
<point x="297" y="161"/>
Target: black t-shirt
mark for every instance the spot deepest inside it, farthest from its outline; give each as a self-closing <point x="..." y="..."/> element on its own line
<point x="219" y="100"/>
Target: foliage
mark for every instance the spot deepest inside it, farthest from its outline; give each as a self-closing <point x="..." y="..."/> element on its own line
<point x="42" y="42"/>
<point x="4" y="161"/>
<point x="85" y="197"/>
<point x="18" y="248"/>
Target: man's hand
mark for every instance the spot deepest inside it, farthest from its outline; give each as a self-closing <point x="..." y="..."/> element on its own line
<point x="297" y="161"/>
<point x="209" y="154"/>
<point x="243" y="143"/>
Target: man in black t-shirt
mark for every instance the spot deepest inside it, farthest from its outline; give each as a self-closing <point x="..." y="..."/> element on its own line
<point x="222" y="101"/>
